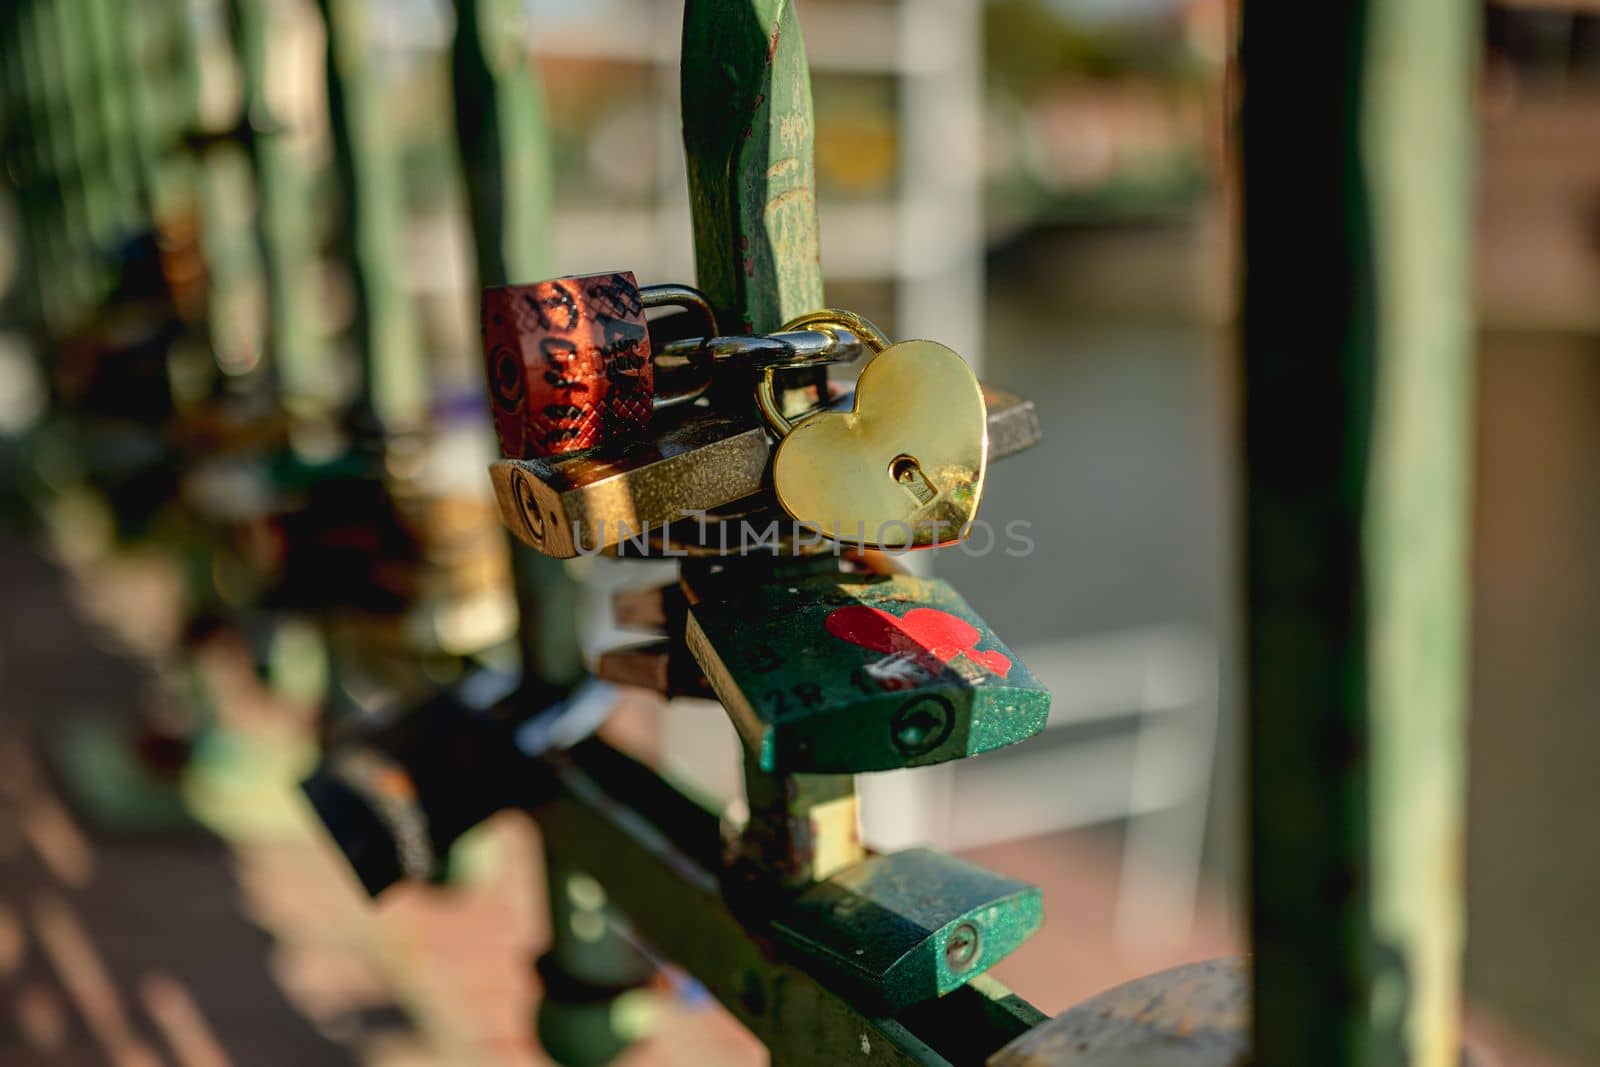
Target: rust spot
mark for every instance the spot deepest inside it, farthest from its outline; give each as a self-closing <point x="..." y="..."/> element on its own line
<point x="772" y="43"/>
<point x="787" y="197"/>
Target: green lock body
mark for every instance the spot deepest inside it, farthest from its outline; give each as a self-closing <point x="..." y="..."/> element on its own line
<point x="847" y="673"/>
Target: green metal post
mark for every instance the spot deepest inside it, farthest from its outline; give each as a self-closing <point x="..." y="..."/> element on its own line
<point x="223" y="189"/>
<point x="372" y="193"/>
<point x="284" y="184"/>
<point x="27" y="162"/>
<point x="505" y="153"/>
<point x="134" y="26"/>
<point x="68" y="51"/>
<point x="1356" y="124"/>
<point x="117" y="150"/>
<point x="747" y="132"/>
<point x="61" y="147"/>
<point x="505" y="141"/>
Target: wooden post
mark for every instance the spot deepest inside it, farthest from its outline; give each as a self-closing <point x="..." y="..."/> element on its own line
<point x="1356" y="124"/>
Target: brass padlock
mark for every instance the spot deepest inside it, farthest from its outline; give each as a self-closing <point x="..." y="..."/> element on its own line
<point x="904" y="466"/>
<point x="580" y="504"/>
<point x="692" y="463"/>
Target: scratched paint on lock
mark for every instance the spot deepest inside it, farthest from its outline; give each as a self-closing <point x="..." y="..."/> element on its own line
<point x="849" y="673"/>
<point x="569" y="363"/>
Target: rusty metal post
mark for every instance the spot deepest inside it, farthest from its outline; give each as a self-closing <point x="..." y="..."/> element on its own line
<point x="1356" y="168"/>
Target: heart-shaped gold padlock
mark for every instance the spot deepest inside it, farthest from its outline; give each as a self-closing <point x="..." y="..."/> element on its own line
<point x="904" y="468"/>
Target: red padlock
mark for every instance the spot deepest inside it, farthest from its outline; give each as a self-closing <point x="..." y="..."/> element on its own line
<point x="569" y="363"/>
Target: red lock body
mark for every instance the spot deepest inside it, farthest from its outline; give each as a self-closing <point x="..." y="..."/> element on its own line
<point x="569" y="363"/>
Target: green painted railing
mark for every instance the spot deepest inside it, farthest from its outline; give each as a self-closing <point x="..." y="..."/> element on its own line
<point x="1356" y="356"/>
<point x="1357" y="333"/>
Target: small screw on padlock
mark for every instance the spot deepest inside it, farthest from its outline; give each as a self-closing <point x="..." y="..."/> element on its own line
<point x="904" y="468"/>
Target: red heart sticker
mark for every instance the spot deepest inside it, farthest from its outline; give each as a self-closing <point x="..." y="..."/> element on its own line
<point x="923" y="632"/>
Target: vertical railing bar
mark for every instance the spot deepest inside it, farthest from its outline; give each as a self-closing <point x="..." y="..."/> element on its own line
<point x="31" y="167"/>
<point x="1357" y="341"/>
<point x="748" y="133"/>
<point x="118" y="151"/>
<point x="283" y="236"/>
<point x="505" y="151"/>
<point x="69" y="248"/>
<point x="372" y="198"/>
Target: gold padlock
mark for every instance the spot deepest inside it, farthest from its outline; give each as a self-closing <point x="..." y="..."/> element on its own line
<point x="693" y="461"/>
<point x="904" y="468"/>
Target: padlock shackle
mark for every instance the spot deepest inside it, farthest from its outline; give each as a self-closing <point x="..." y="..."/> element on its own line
<point x="784" y="351"/>
<point x="703" y="356"/>
<point x="684" y="296"/>
<point x="833" y="321"/>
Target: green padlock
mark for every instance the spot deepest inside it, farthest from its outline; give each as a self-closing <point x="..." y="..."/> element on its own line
<point x="845" y="673"/>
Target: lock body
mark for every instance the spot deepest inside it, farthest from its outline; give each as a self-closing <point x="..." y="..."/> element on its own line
<point x="569" y="363"/>
<point x="692" y="461"/>
<point x="847" y="673"/>
<point x="695" y="461"/>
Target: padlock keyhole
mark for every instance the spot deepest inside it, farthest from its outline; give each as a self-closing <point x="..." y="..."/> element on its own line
<point x="908" y="472"/>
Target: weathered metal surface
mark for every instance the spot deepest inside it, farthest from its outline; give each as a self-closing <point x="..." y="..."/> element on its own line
<point x="1357" y="379"/>
<point x="582" y="503"/>
<point x="1013" y="423"/>
<point x="854" y="673"/>
<point x="658" y="853"/>
<point x="904" y="928"/>
<point x="802" y="827"/>
<point x="747" y="132"/>
<point x="1197" y="1015"/>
